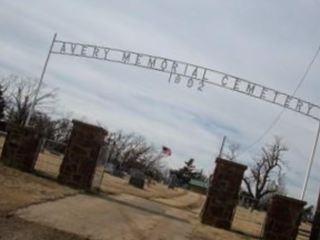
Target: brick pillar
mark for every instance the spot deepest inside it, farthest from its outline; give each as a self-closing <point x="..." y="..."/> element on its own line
<point x="315" y="231"/>
<point x="21" y="148"/>
<point x="283" y="218"/>
<point x="82" y="161"/>
<point x="222" y="197"/>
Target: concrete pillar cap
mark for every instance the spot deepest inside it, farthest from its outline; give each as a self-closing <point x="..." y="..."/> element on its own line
<point x="231" y="163"/>
<point x="88" y="125"/>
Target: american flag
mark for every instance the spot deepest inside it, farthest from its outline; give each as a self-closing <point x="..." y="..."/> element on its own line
<point x="166" y="151"/>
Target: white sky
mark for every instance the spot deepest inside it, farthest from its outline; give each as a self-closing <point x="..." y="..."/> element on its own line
<point x="267" y="42"/>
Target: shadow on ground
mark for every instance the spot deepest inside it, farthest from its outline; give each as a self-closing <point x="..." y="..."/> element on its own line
<point x="160" y="212"/>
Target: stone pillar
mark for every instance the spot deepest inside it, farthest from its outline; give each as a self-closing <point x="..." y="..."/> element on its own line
<point x="283" y="218"/>
<point x="21" y="148"/>
<point x="223" y="194"/>
<point x="82" y="161"/>
<point x="315" y="231"/>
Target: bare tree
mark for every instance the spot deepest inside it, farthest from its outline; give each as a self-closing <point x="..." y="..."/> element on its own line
<point x="232" y="151"/>
<point x="265" y="174"/>
<point x="20" y="94"/>
<point x="128" y="151"/>
<point x="61" y="129"/>
<point x="5" y="82"/>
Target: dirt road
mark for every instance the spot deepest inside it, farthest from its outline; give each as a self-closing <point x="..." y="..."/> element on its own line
<point x="112" y="217"/>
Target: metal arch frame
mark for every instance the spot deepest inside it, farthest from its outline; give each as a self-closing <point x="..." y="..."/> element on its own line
<point x="192" y="73"/>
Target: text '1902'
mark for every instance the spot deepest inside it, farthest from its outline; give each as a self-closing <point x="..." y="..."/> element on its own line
<point x="194" y="76"/>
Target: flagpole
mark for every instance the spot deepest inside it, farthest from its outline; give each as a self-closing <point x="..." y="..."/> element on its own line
<point x="222" y="146"/>
<point x="33" y="104"/>
<point x="310" y="163"/>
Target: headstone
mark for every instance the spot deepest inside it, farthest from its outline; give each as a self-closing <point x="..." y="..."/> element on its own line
<point x="315" y="231"/>
<point x="172" y="181"/>
<point x="137" y="178"/>
<point x="21" y="148"/>
<point x="83" y="162"/>
<point x="223" y="194"/>
<point x="283" y="218"/>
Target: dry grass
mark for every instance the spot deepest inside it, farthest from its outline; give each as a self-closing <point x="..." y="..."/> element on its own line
<point x="49" y="164"/>
<point x="247" y="222"/>
<point x="20" y="189"/>
<point x="247" y="225"/>
<point x="115" y="185"/>
<point x="188" y="201"/>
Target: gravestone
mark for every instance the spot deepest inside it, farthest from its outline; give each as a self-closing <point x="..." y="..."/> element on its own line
<point x="315" y="231"/>
<point x="223" y="194"/>
<point x="21" y="148"/>
<point x="172" y="181"/>
<point x="137" y="178"/>
<point x="83" y="163"/>
<point x="283" y="218"/>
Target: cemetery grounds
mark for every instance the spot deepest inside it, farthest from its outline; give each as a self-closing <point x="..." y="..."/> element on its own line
<point x="38" y="208"/>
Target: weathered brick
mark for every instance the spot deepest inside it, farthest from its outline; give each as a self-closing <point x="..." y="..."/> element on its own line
<point x="283" y="218"/>
<point x="315" y="231"/>
<point x="21" y="147"/>
<point x="223" y="193"/>
<point x="83" y="164"/>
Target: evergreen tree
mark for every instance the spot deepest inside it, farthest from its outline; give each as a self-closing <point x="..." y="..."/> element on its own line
<point x="199" y="175"/>
<point x="187" y="172"/>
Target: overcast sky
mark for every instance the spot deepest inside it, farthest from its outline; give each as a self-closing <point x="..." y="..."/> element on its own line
<point x="267" y="42"/>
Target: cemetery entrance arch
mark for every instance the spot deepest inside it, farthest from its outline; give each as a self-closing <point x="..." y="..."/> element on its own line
<point x="190" y="75"/>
